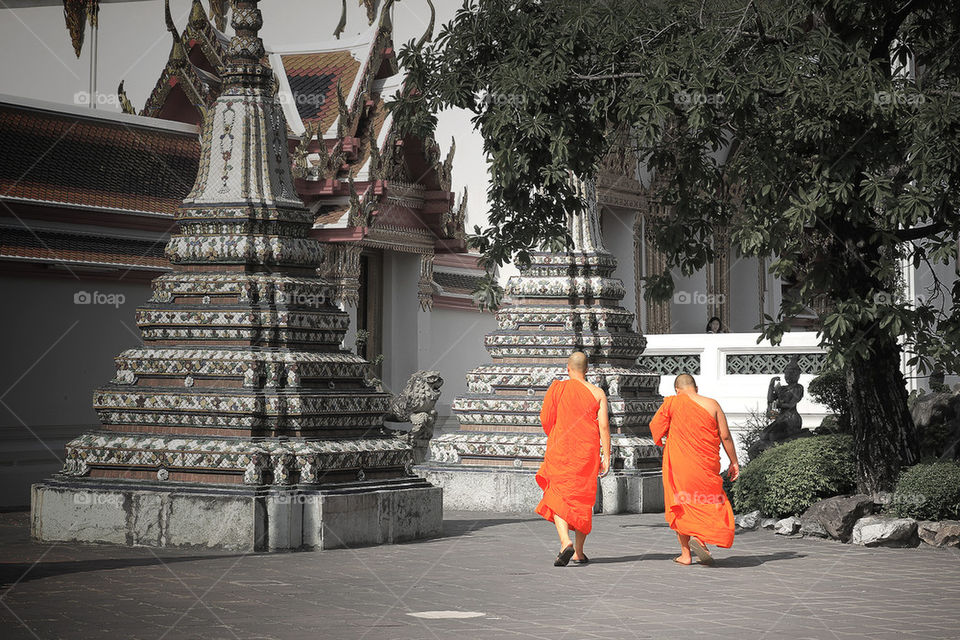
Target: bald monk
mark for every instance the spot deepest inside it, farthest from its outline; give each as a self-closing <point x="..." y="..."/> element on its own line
<point x="574" y="417"/>
<point x="696" y="505"/>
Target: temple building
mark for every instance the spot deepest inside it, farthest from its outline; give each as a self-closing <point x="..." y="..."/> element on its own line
<point x="87" y="199"/>
<point x="242" y="423"/>
<point x="83" y="228"/>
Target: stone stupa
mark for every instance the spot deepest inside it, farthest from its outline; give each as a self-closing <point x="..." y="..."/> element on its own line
<point x="241" y="423"/>
<point x="563" y="302"/>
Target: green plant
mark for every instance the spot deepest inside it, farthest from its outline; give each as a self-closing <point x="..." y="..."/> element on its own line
<point x="749" y="431"/>
<point x="788" y="478"/>
<point x="928" y="491"/>
<point x="830" y="389"/>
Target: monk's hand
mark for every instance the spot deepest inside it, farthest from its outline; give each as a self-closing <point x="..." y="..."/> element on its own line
<point x="604" y="464"/>
<point x="733" y="471"/>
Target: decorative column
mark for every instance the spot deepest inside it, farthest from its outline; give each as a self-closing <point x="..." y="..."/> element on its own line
<point x="718" y="279"/>
<point x="655" y="261"/>
<point x="562" y="302"/>
<point x="241" y="423"/>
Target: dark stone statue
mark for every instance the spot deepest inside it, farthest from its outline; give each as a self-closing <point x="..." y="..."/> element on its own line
<point x="782" y="402"/>
<point x="416" y="406"/>
<point x="937" y="417"/>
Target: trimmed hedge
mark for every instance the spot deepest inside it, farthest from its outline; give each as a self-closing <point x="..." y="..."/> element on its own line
<point x="928" y="491"/>
<point x="788" y="478"/>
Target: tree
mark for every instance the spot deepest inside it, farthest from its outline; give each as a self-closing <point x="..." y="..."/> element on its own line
<point x="837" y="123"/>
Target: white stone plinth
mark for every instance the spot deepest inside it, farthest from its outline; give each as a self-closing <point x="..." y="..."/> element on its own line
<point x="242" y="519"/>
<point x="515" y="490"/>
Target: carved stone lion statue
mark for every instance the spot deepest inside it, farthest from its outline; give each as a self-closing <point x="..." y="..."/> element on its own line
<point x="416" y="405"/>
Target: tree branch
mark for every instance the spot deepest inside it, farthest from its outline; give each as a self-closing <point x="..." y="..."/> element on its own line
<point x="906" y="235"/>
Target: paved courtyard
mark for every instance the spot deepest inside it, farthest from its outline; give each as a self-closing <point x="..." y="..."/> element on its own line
<point x="497" y="568"/>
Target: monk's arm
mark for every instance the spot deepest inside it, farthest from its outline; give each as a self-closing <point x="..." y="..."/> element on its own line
<point x="548" y="412"/>
<point x="603" y="420"/>
<point x="728" y="444"/>
<point x="660" y="424"/>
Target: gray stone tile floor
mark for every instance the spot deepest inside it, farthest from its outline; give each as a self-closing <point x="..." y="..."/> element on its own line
<point x="496" y="565"/>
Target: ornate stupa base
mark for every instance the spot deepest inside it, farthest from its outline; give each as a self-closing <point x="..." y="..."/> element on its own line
<point x="241" y="493"/>
<point x="238" y="517"/>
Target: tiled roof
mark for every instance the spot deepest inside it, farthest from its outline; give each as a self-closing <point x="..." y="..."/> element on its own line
<point x="332" y="217"/>
<point x="456" y="281"/>
<point x="313" y="81"/>
<point x="66" y="158"/>
<point x="73" y="248"/>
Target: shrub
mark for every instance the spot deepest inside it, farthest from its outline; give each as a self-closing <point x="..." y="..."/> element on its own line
<point x="928" y="491"/>
<point x="788" y="478"/>
<point x="830" y="389"/>
<point x="749" y="431"/>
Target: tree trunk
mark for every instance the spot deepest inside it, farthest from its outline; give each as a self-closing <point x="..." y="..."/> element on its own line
<point x="885" y="438"/>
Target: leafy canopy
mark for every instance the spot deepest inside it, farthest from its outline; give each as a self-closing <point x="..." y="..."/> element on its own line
<point x="824" y="134"/>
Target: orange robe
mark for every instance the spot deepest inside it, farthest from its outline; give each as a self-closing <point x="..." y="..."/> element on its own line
<point x="568" y="475"/>
<point x="696" y="504"/>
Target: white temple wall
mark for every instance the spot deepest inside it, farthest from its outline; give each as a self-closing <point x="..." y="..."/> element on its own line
<point x="925" y="290"/>
<point x="744" y="302"/>
<point x="59" y="352"/>
<point x="456" y="347"/>
<point x="617" y="226"/>
<point x="737" y="394"/>
<point x="688" y="308"/>
<point x="400" y="309"/>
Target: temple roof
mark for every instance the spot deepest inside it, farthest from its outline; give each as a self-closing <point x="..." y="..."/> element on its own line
<point x="352" y="168"/>
<point x="52" y="154"/>
<point x="38" y="245"/>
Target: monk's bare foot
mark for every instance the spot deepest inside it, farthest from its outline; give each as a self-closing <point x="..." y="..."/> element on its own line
<point x="683" y="559"/>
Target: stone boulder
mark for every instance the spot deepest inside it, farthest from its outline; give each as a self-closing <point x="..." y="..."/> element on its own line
<point x="945" y="533"/>
<point x="838" y="515"/>
<point x="747" y="521"/>
<point x="879" y="531"/>
<point x="787" y="526"/>
<point x="768" y="523"/>
<point x="812" y="529"/>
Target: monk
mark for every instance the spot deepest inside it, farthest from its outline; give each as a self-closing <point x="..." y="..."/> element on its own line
<point x="696" y="506"/>
<point x="574" y="417"/>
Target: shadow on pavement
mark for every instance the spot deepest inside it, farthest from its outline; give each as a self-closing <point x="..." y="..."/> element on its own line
<point x="739" y="562"/>
<point x="16" y="572"/>
<point x="453" y="528"/>
<point x="645" y="556"/>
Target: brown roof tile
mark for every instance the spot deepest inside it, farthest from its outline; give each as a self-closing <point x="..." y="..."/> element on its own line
<point x="65" y="158"/>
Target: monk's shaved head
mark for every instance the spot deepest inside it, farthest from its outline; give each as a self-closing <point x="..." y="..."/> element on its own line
<point x="683" y="381"/>
<point x="577" y="362"/>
